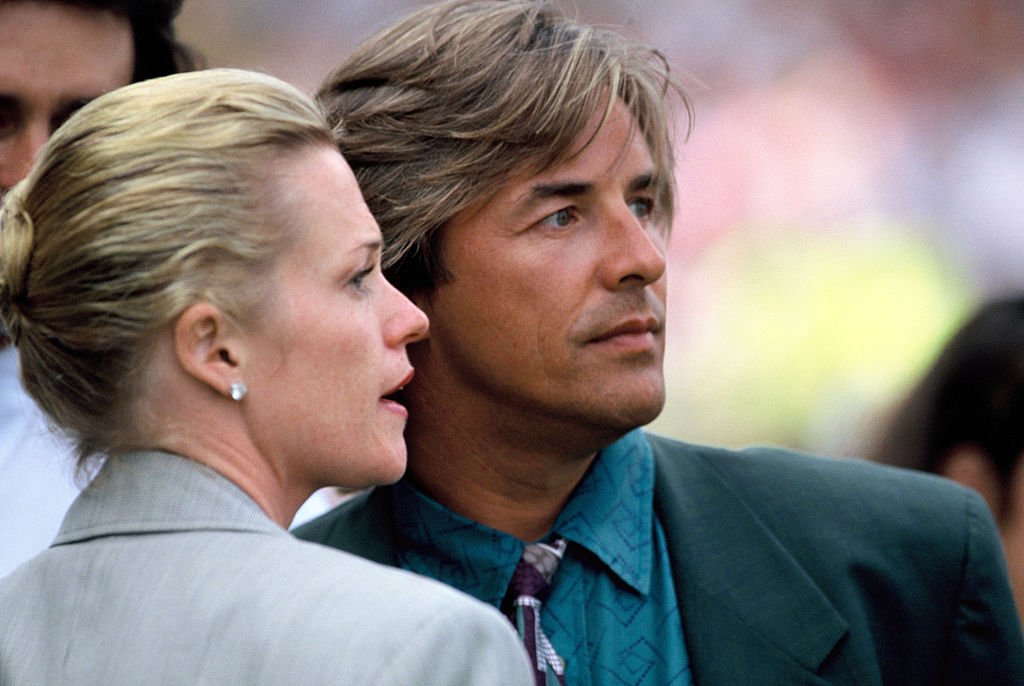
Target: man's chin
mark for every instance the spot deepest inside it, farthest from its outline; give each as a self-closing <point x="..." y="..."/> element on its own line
<point x="642" y="416"/>
<point x="621" y="415"/>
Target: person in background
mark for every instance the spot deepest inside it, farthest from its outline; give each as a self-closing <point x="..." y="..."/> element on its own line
<point x="55" y="56"/>
<point x="192" y="281"/>
<point x="965" y="420"/>
<point x="520" y="165"/>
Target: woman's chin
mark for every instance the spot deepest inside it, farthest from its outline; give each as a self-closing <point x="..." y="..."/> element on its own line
<point x="389" y="464"/>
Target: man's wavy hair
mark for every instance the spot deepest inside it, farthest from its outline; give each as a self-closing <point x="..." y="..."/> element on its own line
<point x="436" y="112"/>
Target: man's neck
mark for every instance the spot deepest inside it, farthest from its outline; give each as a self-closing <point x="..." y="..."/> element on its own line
<point x="515" y="492"/>
<point x="494" y="477"/>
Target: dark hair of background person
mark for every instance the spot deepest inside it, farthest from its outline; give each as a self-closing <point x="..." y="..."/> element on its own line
<point x="158" y="52"/>
<point x="973" y="394"/>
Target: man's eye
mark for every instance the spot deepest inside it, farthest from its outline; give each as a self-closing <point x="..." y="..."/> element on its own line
<point x="62" y="116"/>
<point x="9" y="122"/>
<point x="559" y="219"/>
<point x="643" y="208"/>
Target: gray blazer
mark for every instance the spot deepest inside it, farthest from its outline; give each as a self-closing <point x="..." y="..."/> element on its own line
<point x="164" y="572"/>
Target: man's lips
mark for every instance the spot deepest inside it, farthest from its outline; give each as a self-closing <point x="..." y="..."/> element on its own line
<point x="637" y="326"/>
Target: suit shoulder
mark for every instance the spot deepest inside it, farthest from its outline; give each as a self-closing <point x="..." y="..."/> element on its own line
<point x="792" y="483"/>
<point x="838" y="517"/>
<point x="363" y="525"/>
<point x="779" y="466"/>
<point x="911" y="561"/>
<point x="320" y="528"/>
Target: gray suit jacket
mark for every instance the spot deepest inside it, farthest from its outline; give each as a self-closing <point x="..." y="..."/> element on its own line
<point x="791" y="569"/>
<point x="164" y="572"/>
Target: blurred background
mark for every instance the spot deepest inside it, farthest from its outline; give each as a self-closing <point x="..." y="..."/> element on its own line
<point x="854" y="185"/>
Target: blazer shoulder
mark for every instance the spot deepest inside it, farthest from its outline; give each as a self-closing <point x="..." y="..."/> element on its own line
<point x="310" y="615"/>
<point x="410" y="624"/>
<point x="421" y="615"/>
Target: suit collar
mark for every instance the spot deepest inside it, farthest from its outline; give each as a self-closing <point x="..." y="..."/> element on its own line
<point x="153" y="492"/>
<point x="745" y="600"/>
<point x="362" y="525"/>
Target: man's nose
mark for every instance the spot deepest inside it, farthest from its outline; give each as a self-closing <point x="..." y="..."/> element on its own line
<point x="636" y="252"/>
<point x="19" y="151"/>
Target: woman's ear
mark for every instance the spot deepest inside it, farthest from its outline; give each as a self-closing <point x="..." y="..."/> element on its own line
<point x="207" y="347"/>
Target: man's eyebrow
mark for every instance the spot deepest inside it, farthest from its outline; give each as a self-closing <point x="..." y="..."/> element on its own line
<point x="574" y="189"/>
<point x="542" y="191"/>
<point x="642" y="182"/>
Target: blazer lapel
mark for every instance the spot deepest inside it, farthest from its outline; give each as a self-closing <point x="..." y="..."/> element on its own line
<point x="751" y="613"/>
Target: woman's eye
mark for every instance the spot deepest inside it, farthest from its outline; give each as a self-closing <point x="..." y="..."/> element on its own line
<point x="359" y="280"/>
<point x="559" y="219"/>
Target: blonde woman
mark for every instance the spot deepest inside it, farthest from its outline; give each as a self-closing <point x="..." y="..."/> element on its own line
<point x="193" y="283"/>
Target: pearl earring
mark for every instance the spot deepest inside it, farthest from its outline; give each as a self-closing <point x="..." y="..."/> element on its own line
<point x="238" y="391"/>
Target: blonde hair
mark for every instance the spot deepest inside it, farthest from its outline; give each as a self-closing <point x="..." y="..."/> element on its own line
<point x="150" y="198"/>
<point x="434" y="113"/>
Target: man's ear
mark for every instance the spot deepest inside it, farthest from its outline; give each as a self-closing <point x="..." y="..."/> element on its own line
<point x="971" y="466"/>
<point x="207" y="348"/>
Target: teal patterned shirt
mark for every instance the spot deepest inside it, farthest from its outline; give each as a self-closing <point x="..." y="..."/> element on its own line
<point x="612" y="613"/>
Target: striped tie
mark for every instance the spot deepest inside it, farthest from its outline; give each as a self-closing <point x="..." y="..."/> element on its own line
<point x="530" y="585"/>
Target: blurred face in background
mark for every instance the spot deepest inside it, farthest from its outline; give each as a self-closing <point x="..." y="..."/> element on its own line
<point x="54" y="58"/>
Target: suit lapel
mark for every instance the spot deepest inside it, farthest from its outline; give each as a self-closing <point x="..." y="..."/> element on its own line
<point x="751" y="613"/>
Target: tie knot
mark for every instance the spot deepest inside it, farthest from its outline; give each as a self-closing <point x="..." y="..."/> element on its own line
<point x="533" y="574"/>
<point x="528" y="588"/>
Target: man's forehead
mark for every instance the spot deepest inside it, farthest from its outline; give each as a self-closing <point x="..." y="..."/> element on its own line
<point x="59" y="52"/>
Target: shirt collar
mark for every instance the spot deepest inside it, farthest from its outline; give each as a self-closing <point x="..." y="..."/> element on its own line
<point x="612" y="509"/>
<point x="610" y="514"/>
<point x="439" y="543"/>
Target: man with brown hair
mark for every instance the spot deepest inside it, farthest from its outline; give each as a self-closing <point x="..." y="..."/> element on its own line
<point x="520" y="166"/>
